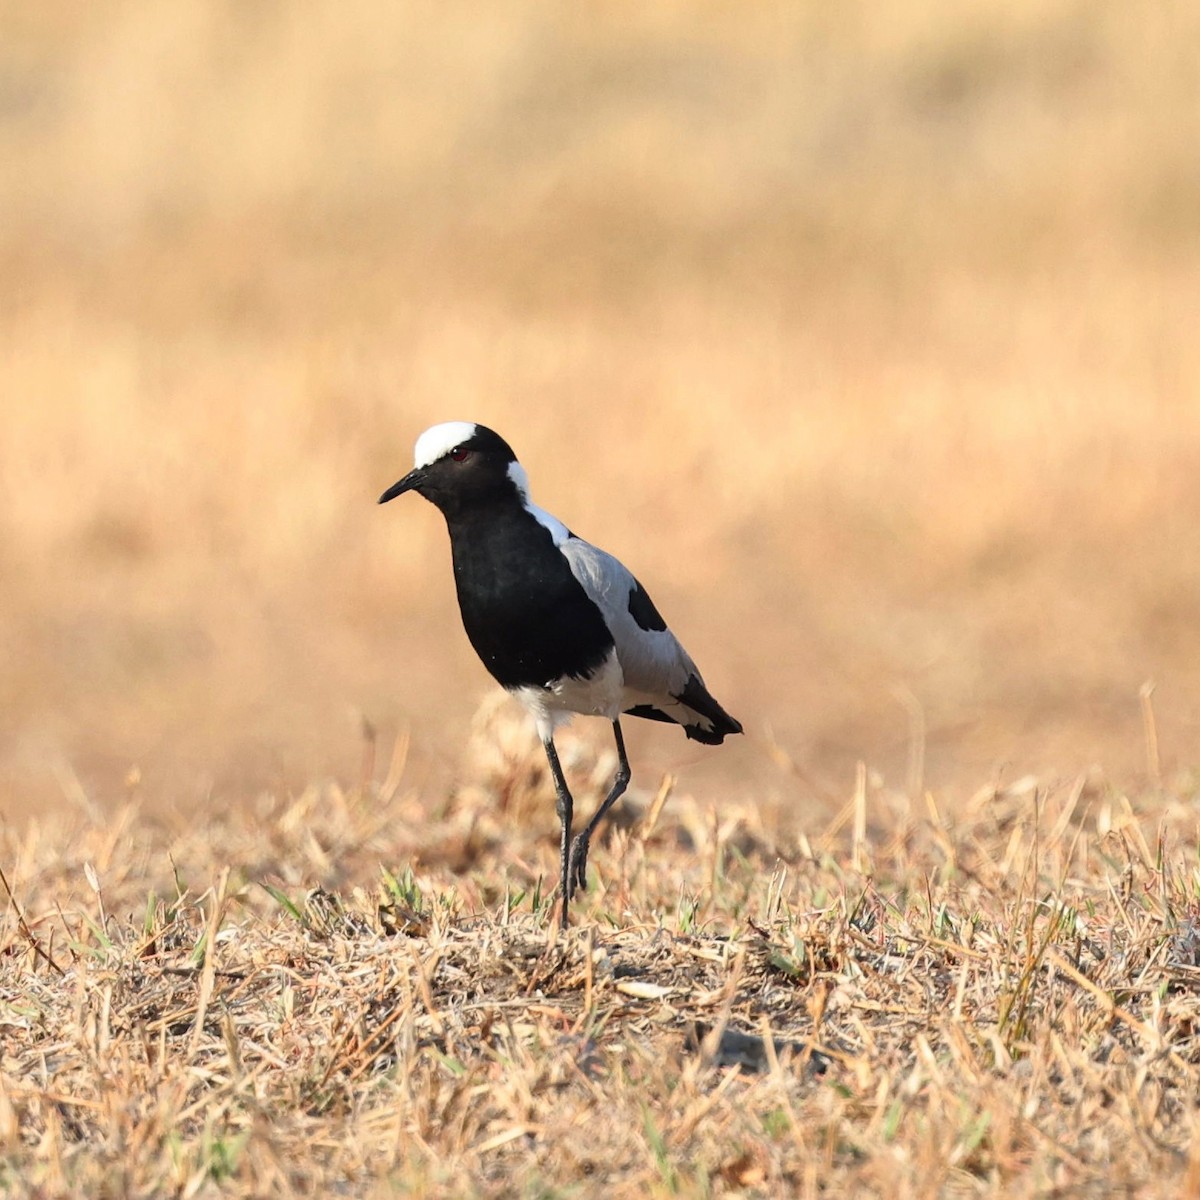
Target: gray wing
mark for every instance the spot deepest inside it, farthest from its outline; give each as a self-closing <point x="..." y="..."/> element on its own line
<point x="661" y="681"/>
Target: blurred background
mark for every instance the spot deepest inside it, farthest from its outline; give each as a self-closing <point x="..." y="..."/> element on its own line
<point x="865" y="335"/>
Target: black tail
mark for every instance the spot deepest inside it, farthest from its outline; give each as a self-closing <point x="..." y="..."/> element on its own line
<point x="715" y="724"/>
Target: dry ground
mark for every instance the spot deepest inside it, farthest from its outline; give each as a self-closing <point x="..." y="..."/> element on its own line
<point x="865" y="335"/>
<point x="284" y="1001"/>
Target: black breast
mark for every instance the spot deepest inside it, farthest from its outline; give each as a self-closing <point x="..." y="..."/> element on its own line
<point x="527" y="616"/>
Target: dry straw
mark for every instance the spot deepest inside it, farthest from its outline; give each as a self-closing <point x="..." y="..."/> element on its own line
<point x="1006" y="1005"/>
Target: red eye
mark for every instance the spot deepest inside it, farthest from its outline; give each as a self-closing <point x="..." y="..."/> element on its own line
<point x="460" y="454"/>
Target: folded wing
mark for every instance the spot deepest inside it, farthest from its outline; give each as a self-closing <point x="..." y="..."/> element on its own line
<point x="662" y="682"/>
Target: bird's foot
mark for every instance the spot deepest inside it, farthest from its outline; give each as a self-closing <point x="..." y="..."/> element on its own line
<point x="577" y="865"/>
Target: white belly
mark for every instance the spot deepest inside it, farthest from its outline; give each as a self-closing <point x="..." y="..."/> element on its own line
<point x="598" y="695"/>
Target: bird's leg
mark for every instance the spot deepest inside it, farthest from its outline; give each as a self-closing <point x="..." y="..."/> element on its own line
<point x="577" y="866"/>
<point x="564" y="806"/>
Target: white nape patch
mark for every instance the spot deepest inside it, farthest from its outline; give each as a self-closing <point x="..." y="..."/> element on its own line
<point x="438" y="440"/>
<point x="599" y="695"/>
<point x="516" y="473"/>
<point x="558" y="531"/>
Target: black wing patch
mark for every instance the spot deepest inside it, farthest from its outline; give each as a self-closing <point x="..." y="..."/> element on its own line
<point x="650" y="713"/>
<point x="642" y="610"/>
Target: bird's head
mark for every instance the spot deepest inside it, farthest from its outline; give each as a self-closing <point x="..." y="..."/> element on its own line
<point x="459" y="465"/>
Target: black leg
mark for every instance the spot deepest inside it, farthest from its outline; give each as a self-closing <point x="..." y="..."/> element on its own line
<point x="564" y="806"/>
<point x="577" y="866"/>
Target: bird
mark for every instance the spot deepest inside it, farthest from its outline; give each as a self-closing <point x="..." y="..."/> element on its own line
<point x="560" y="624"/>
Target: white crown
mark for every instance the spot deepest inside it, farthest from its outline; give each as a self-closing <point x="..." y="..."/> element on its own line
<point x="439" y="440"/>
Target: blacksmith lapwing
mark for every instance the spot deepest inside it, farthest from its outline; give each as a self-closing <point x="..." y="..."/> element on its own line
<point x="560" y="624"/>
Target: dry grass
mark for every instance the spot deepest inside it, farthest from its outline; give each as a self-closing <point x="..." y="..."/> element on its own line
<point x="1002" y="1003"/>
<point x="867" y="339"/>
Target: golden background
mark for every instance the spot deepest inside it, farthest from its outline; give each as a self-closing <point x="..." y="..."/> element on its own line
<point x="866" y="335"/>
